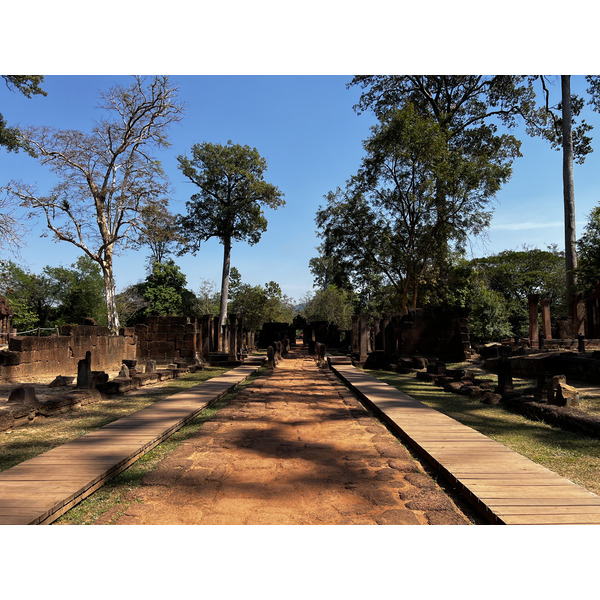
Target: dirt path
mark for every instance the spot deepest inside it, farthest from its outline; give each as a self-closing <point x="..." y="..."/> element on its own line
<point x="295" y="447"/>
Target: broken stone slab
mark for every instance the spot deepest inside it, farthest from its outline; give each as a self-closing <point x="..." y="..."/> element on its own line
<point x="61" y="381"/>
<point x="24" y="394"/>
<point x="118" y="385"/>
<point x="7" y="420"/>
<point x="57" y="405"/>
<point x="142" y="379"/>
<point x="490" y="398"/>
<point x="566" y="395"/>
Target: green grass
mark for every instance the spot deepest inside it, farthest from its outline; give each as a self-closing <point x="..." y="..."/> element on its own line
<point x="574" y="456"/>
<point x="43" y="434"/>
<point x="117" y="492"/>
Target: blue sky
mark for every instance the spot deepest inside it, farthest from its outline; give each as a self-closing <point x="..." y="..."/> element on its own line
<point x="307" y="130"/>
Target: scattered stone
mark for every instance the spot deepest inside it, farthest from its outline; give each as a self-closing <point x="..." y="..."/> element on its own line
<point x="61" y="381"/>
<point x="124" y="372"/>
<point x="24" y="394"/>
<point x="490" y="398"/>
<point x="84" y="371"/>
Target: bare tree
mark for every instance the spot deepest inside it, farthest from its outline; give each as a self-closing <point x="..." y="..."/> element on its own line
<point x="105" y="178"/>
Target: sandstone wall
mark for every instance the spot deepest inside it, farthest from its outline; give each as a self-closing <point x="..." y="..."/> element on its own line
<point x="31" y="357"/>
<point x="167" y="338"/>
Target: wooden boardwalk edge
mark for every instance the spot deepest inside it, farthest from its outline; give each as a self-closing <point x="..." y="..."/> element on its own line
<point x="503" y="486"/>
<point x="19" y="507"/>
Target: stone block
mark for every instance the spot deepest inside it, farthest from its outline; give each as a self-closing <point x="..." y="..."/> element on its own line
<point x="566" y="395"/>
<point x="7" y="419"/>
<point x="9" y="358"/>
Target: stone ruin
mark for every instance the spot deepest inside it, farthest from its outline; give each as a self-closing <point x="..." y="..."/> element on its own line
<point x="192" y="340"/>
<point x="38" y="357"/>
<point x="378" y="342"/>
<point x="6" y="315"/>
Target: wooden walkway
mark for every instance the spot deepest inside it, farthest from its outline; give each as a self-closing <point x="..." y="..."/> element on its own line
<point x="504" y="486"/>
<point x="41" y="489"/>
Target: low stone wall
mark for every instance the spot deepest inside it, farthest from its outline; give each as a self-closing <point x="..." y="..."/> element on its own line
<point x="34" y="357"/>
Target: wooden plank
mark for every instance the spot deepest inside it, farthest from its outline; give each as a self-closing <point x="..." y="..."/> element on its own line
<point x="490" y="475"/>
<point x="53" y="482"/>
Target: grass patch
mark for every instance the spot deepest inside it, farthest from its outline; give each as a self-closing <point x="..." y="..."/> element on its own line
<point x="574" y="456"/>
<point x="43" y="434"/>
<point x="117" y="492"/>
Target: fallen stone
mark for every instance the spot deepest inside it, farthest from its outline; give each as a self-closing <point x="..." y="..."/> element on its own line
<point x="24" y="394"/>
<point x="61" y="381"/>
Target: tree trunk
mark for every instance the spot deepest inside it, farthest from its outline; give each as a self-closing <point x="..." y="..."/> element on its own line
<point x="568" y="188"/>
<point x="225" y="282"/>
<point x="109" y="289"/>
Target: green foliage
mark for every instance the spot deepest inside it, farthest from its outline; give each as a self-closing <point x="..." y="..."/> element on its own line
<point x="28" y="85"/>
<point x="418" y="192"/>
<point x="588" y="271"/>
<point x="260" y="304"/>
<point x="78" y="292"/>
<point x="488" y="320"/>
<point x="57" y="297"/>
<point x="333" y="305"/>
<point x="165" y="293"/>
<point x="232" y="194"/>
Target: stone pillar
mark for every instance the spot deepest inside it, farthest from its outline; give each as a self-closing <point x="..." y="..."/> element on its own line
<point x="363" y="328"/>
<point x="240" y="333"/>
<point x="505" y="380"/>
<point x="546" y="322"/>
<point x="232" y="336"/>
<point x="355" y="336"/>
<point x="578" y="316"/>
<point x="378" y="333"/>
<point x="533" y="319"/>
<point x="216" y="328"/>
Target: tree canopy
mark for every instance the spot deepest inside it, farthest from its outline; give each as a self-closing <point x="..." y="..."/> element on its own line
<point x="230" y="202"/>
<point x="107" y="177"/>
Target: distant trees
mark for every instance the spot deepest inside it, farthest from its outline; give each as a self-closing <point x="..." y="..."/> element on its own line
<point x="258" y="304"/>
<point x="105" y="178"/>
<point x="589" y="253"/>
<point x="162" y="293"/>
<point x="331" y="304"/>
<point x="58" y="296"/>
<point x="230" y="201"/>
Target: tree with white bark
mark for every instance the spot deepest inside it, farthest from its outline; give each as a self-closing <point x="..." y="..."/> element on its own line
<point x="106" y="178"/>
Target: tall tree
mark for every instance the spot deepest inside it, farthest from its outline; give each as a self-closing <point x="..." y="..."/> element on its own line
<point x="391" y="222"/>
<point x="229" y="205"/>
<point x="158" y="231"/>
<point x="467" y="108"/>
<point x="559" y="126"/>
<point x="106" y="178"/>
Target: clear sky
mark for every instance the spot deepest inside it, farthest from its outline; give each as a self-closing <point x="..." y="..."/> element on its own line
<point x="307" y="130"/>
<point x="304" y="126"/>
